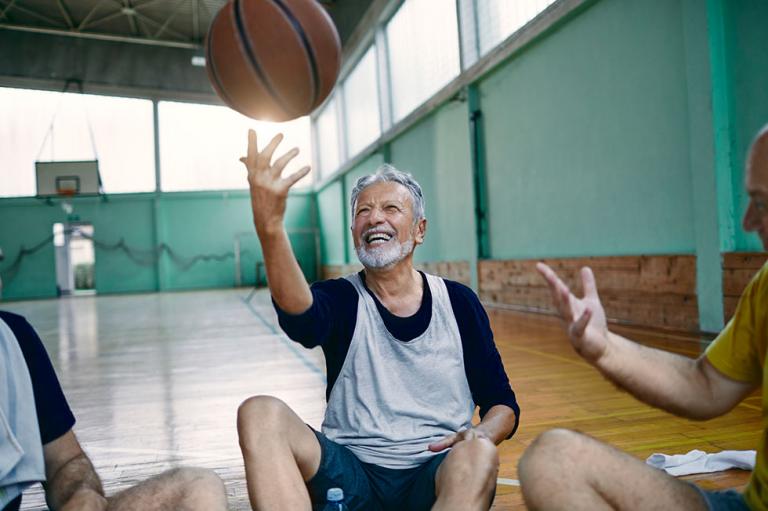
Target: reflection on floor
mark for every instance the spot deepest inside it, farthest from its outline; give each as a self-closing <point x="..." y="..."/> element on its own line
<point x="155" y="381"/>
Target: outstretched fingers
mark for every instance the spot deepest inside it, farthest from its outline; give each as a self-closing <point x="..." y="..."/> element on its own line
<point x="296" y="176"/>
<point x="577" y="328"/>
<point x="588" y="281"/>
<point x="265" y="156"/>
<point x="280" y="164"/>
<point x="561" y="294"/>
<point x="253" y="150"/>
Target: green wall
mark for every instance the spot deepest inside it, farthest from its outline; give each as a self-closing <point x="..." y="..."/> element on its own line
<point x="331" y="211"/>
<point x="436" y="151"/>
<point x="621" y="130"/>
<point x="745" y="34"/>
<point x="587" y="138"/>
<point x="189" y="224"/>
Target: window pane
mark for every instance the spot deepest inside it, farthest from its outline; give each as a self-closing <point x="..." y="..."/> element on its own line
<point x="201" y="146"/>
<point x="122" y="129"/>
<point x="327" y="127"/>
<point x="430" y="26"/>
<point x="498" y="19"/>
<point x="361" y="104"/>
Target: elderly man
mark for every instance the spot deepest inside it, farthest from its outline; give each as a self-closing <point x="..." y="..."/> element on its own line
<point x="37" y="443"/>
<point x="567" y="470"/>
<point x="408" y="356"/>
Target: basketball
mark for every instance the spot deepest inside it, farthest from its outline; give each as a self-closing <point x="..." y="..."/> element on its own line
<point x="272" y="60"/>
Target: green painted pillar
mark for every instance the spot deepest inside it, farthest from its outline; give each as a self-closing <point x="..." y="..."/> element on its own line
<point x="708" y="153"/>
<point x="479" y="183"/>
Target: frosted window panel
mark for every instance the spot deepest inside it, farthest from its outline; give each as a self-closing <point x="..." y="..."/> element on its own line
<point x="361" y="104"/>
<point x="201" y="146"/>
<point x="327" y="127"/>
<point x="122" y="129"/>
<point x="498" y="19"/>
<point x="423" y="45"/>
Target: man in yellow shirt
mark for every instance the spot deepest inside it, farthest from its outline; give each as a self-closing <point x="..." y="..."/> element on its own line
<point x="565" y="470"/>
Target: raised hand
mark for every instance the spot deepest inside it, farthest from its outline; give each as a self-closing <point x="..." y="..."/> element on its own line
<point x="269" y="190"/>
<point x="584" y="317"/>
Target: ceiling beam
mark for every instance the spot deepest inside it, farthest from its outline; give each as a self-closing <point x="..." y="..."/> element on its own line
<point x="195" y="19"/>
<point x="88" y="16"/>
<point x="65" y="13"/>
<point x="156" y="23"/>
<point x="6" y="9"/>
<point x="102" y="37"/>
<point x="168" y="20"/>
<point x="37" y="15"/>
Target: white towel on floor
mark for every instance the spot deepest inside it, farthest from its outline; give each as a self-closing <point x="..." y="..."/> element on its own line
<point x="699" y="462"/>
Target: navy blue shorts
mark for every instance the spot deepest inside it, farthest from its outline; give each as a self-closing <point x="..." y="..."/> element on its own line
<point x="371" y="487"/>
<point x="723" y="500"/>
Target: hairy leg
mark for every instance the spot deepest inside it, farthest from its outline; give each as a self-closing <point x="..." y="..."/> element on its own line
<point x="180" y="489"/>
<point x="466" y="479"/>
<point x="280" y="454"/>
<point x="564" y="469"/>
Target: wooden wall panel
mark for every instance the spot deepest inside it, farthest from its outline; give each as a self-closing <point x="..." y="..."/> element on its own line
<point x="653" y="291"/>
<point x="453" y="270"/>
<point x="738" y="270"/>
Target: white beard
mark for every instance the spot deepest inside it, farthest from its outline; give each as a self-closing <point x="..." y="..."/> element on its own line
<point x="386" y="256"/>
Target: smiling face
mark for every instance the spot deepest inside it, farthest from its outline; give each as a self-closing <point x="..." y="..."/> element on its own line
<point x="383" y="228"/>
<point x="756" y="183"/>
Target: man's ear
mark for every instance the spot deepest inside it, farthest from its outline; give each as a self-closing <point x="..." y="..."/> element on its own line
<point x="421" y="231"/>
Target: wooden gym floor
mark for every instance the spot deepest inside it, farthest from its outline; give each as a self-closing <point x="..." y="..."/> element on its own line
<point x="155" y="381"/>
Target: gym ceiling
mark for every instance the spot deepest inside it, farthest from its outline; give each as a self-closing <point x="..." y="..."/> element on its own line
<point x="123" y="47"/>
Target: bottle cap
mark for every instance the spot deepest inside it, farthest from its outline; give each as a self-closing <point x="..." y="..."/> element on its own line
<point x="335" y="494"/>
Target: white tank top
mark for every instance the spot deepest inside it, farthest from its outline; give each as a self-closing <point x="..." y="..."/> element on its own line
<point x="393" y="398"/>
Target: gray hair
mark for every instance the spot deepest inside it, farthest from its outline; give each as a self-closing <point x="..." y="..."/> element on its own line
<point x="389" y="174"/>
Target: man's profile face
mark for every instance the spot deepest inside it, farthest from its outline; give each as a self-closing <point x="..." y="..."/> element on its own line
<point x="756" y="183"/>
<point x="383" y="227"/>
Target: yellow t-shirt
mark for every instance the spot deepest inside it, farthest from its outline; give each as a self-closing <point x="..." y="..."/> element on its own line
<point x="739" y="352"/>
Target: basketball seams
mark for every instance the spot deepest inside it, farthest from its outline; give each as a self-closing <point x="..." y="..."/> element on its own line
<point x="311" y="57"/>
<point x="247" y="46"/>
<point x="272" y="59"/>
<point x="215" y="74"/>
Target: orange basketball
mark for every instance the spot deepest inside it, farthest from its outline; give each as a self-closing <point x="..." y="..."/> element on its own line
<point x="273" y="60"/>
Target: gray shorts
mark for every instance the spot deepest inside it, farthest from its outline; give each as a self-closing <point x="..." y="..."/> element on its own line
<point x="723" y="500"/>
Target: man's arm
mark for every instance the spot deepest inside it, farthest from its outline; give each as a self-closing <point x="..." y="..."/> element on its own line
<point x="690" y="388"/>
<point x="269" y="194"/>
<point x="72" y="483"/>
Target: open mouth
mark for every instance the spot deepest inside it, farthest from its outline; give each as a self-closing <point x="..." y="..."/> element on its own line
<point x="377" y="237"/>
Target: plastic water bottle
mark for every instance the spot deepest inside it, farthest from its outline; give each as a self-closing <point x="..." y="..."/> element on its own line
<point x="335" y="500"/>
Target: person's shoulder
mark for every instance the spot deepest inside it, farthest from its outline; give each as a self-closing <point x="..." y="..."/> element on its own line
<point x="16" y="322"/>
<point x="10" y="316"/>
<point x="461" y="292"/>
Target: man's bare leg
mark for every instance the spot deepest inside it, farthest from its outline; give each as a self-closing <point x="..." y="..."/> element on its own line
<point x="466" y="478"/>
<point x="280" y="454"/>
<point x="181" y="489"/>
<point x="566" y="470"/>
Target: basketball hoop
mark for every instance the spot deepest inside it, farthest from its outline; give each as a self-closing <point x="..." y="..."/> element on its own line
<point x="66" y="193"/>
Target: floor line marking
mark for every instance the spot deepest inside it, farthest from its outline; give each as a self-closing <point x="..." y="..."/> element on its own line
<point x="507" y="482"/>
<point x="549" y="355"/>
<point x="288" y="343"/>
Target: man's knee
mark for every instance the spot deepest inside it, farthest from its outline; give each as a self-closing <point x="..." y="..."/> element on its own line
<point x="262" y="412"/>
<point x="547" y="453"/>
<point x="475" y="458"/>
<point x="194" y="477"/>
<point x="260" y="417"/>
<point x="197" y="489"/>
